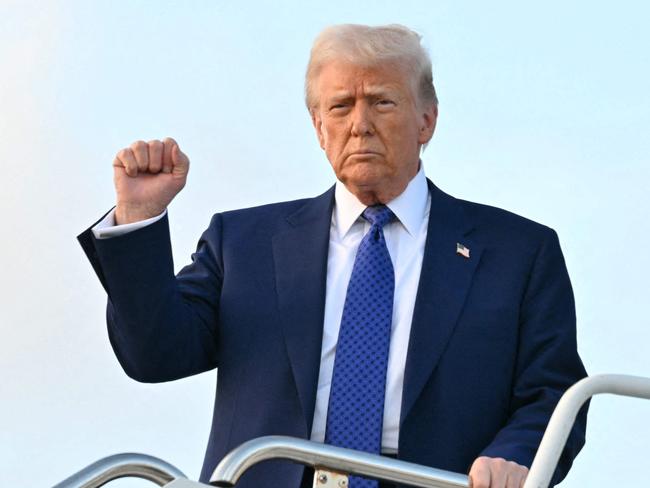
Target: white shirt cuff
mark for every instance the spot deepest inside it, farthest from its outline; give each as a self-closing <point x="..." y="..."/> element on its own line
<point x="106" y="228"/>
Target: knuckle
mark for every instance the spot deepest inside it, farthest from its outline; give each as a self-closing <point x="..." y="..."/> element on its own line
<point x="123" y="154"/>
<point x="487" y="461"/>
<point x="498" y="465"/>
<point x="138" y="145"/>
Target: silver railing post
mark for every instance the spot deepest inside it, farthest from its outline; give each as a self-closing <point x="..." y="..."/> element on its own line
<point x="336" y="459"/>
<point x="565" y="414"/>
<point x="121" y="466"/>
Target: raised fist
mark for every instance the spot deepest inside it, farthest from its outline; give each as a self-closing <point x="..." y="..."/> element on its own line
<point x="148" y="175"/>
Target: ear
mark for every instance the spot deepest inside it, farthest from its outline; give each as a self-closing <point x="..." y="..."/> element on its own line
<point x="428" y="123"/>
<point x="317" y="121"/>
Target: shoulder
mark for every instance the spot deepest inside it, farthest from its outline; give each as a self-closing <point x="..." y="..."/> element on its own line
<point x="493" y="220"/>
<point x="512" y="244"/>
<point x="497" y="226"/>
<point x="272" y="217"/>
<point x="266" y="212"/>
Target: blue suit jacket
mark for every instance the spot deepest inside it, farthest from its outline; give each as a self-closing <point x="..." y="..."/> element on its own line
<point x="492" y="344"/>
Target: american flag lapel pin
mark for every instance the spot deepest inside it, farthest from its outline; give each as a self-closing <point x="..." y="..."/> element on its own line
<point x="462" y="250"/>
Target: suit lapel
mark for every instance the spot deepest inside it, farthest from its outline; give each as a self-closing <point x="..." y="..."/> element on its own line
<point x="300" y="258"/>
<point x="444" y="282"/>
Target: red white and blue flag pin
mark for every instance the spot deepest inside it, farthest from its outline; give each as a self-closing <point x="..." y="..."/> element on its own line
<point x="462" y="250"/>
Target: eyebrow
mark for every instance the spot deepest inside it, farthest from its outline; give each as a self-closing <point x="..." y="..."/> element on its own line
<point x="379" y="91"/>
<point x="370" y="92"/>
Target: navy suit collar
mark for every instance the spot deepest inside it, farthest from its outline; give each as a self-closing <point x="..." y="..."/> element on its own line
<point x="300" y="258"/>
<point x="444" y="284"/>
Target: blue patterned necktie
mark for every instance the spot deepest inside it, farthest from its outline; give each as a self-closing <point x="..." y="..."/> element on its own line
<point x="356" y="403"/>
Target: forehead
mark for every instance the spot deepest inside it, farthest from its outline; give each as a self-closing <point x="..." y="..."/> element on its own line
<point x="344" y="78"/>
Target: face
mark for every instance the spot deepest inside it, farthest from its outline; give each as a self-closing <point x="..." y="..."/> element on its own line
<point x="371" y="125"/>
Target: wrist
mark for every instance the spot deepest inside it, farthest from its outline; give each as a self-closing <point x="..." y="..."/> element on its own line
<point x="128" y="214"/>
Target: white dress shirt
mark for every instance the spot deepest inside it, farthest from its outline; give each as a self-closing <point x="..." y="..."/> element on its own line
<point x="405" y="239"/>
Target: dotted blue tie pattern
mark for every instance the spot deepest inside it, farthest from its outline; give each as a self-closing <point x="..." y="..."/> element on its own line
<point x="356" y="403"/>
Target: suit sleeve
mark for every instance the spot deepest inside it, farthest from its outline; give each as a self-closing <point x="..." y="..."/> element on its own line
<point x="547" y="363"/>
<point x="162" y="327"/>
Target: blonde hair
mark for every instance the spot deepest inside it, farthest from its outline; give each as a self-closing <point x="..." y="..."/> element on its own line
<point x="369" y="46"/>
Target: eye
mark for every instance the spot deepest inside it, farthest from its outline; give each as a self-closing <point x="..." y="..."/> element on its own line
<point x="385" y="102"/>
<point x="340" y="108"/>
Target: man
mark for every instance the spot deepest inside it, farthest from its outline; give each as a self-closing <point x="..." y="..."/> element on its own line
<point x="383" y="315"/>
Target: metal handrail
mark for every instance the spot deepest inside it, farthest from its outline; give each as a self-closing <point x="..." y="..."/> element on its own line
<point x="231" y="467"/>
<point x="121" y="466"/>
<point x="564" y="415"/>
<point x="319" y="455"/>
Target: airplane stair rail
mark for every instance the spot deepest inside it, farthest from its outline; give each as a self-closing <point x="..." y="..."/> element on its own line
<point x="332" y="465"/>
<point x="126" y="465"/>
<point x="565" y="413"/>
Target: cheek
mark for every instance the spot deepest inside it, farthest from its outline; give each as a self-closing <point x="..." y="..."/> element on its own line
<point x="333" y="137"/>
<point x="332" y="145"/>
<point x="401" y="137"/>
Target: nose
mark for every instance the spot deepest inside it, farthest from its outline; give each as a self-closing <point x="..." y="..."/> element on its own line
<point x="362" y="123"/>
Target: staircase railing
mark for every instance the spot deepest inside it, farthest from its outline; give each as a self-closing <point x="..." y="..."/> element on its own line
<point x="127" y="465"/>
<point x="332" y="465"/>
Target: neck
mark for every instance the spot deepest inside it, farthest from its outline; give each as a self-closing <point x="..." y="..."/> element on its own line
<point x="382" y="194"/>
<point x="370" y="197"/>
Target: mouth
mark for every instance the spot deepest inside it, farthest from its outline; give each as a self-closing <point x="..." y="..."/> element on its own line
<point x="364" y="152"/>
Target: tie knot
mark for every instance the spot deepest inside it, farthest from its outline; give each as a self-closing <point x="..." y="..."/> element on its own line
<point x="378" y="215"/>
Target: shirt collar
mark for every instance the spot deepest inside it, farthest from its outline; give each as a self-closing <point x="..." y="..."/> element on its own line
<point x="410" y="207"/>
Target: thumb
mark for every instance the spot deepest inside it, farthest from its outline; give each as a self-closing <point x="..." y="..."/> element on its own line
<point x="180" y="162"/>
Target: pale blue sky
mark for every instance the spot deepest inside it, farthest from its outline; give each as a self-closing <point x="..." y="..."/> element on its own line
<point x="544" y="111"/>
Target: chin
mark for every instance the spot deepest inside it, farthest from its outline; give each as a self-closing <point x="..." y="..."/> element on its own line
<point x="365" y="174"/>
<point x="366" y="182"/>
